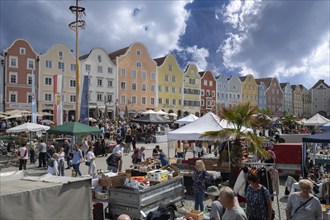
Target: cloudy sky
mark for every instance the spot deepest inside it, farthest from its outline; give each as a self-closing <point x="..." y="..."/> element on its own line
<point x="287" y="39"/>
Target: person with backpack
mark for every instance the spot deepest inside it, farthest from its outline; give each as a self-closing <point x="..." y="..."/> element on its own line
<point x="22" y="156"/>
<point x="114" y="161"/>
<point x="217" y="209"/>
<point x="53" y="165"/>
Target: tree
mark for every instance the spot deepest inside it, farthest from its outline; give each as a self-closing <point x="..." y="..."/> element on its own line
<point x="239" y="116"/>
<point x="264" y="119"/>
<point x="289" y="121"/>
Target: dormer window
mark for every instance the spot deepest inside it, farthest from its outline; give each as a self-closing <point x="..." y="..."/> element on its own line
<point x="60" y="54"/>
<point x="99" y="58"/>
<point x="138" y="53"/>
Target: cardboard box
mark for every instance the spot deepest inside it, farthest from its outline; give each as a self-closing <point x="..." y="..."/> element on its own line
<point x="172" y="169"/>
<point x="157" y="175"/>
<point x="118" y="181"/>
<point x="195" y="215"/>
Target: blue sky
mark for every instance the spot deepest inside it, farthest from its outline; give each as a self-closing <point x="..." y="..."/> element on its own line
<point x="287" y="39"/>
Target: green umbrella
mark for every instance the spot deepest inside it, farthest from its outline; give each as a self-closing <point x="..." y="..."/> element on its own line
<point x="74" y="128"/>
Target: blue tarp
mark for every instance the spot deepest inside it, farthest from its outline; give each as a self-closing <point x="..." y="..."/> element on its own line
<point x="323" y="137"/>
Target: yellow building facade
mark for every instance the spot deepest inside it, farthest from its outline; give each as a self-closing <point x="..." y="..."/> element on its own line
<point x="170" y="85"/>
<point x="191" y="91"/>
<point x="249" y="90"/>
<point x="57" y="61"/>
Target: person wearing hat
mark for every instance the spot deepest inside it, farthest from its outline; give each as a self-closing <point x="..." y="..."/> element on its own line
<point x="119" y="147"/>
<point x="216" y="207"/>
<point x="53" y="165"/>
<point x="114" y="161"/>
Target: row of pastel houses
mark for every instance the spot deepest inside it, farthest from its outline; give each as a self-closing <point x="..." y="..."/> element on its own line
<point x="129" y="79"/>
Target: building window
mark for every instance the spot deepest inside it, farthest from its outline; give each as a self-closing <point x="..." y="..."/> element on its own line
<point x="134" y="100"/>
<point x="123" y="99"/>
<point x="211" y="83"/>
<point x="134" y="86"/>
<point x="160" y="88"/>
<point x="123" y="72"/>
<point x="202" y="92"/>
<point x="73" y="67"/>
<point x="173" y="89"/>
<point x="133" y="74"/>
<point x="170" y="67"/>
<point x="109" y="98"/>
<point x="13" y="61"/>
<point x="99" y="97"/>
<point x="205" y="82"/>
<point x="29" y="79"/>
<point x="29" y="98"/>
<point x="13" y="77"/>
<point x="143" y="100"/>
<point x="167" y="101"/>
<point x="166" y="78"/>
<point x="173" y="79"/>
<point x="109" y="83"/>
<point x="138" y="53"/>
<point x="192" y="81"/>
<point x="152" y="76"/>
<point x="180" y="102"/>
<point x="99" y="69"/>
<point x="72" y="98"/>
<point x="110" y="70"/>
<point x="60" y="54"/>
<point x="144" y="87"/>
<point x="72" y="83"/>
<point x="144" y="75"/>
<point x="99" y="58"/>
<point x="160" y="101"/>
<point x="123" y="85"/>
<point x="88" y="67"/>
<point x="13" y="97"/>
<point x="60" y="65"/>
<point x="138" y="64"/>
<point x="22" y="50"/>
<point x="152" y="88"/>
<point x="48" y="97"/>
<point x="213" y="93"/>
<point x="202" y="102"/>
<point x="30" y="64"/>
<point x="99" y="82"/>
<point x="152" y="101"/>
<point x="48" y="81"/>
<point x="166" y="89"/>
<point x="48" y="64"/>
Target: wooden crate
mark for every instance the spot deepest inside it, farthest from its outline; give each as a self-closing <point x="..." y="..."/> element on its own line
<point x="195" y="215"/>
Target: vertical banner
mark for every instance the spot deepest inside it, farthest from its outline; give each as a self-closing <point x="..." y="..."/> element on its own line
<point x="84" y="108"/>
<point x="34" y="100"/>
<point x="58" y="100"/>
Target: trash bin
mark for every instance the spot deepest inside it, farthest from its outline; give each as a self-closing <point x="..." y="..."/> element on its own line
<point x="98" y="211"/>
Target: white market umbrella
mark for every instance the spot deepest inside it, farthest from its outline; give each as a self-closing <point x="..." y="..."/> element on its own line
<point x="148" y="112"/>
<point x="91" y="119"/>
<point x="47" y="122"/>
<point x="173" y="114"/>
<point x="186" y="120"/>
<point x="161" y="112"/>
<point x="13" y="116"/>
<point x="28" y="127"/>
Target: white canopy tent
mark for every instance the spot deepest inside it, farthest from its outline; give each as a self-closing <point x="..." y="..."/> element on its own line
<point x="28" y="127"/>
<point x="186" y="120"/>
<point x="316" y="120"/>
<point x="194" y="130"/>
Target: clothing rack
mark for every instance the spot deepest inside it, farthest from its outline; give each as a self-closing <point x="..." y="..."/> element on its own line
<point x="267" y="166"/>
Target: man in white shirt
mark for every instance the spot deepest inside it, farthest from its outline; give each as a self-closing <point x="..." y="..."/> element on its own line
<point x="23" y="157"/>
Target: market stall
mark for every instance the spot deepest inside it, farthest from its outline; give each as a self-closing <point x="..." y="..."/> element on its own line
<point x="27" y="196"/>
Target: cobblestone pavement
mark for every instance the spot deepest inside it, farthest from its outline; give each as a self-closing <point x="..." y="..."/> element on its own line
<point x="188" y="202"/>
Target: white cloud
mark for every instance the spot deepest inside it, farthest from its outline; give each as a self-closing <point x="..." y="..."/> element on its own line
<point x="110" y="24"/>
<point x="283" y="39"/>
<point x="198" y="56"/>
